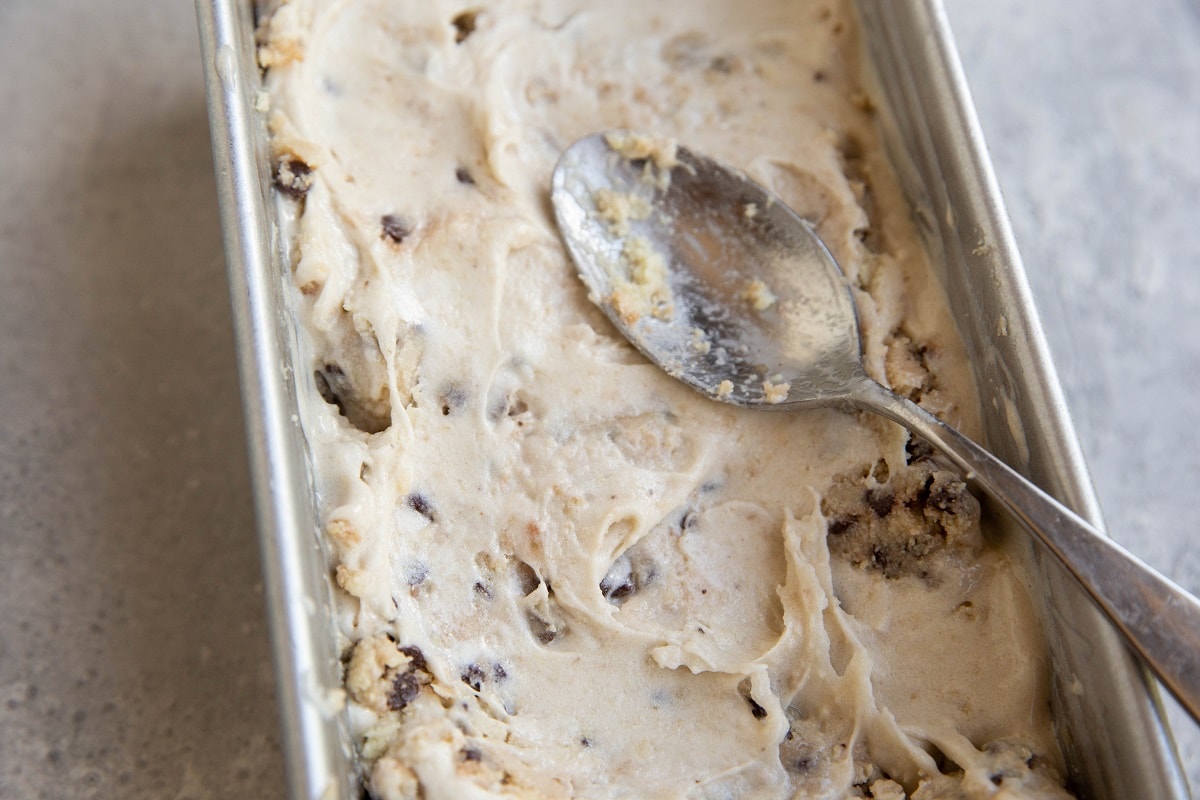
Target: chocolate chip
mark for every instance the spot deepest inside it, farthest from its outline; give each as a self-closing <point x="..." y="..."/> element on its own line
<point x="880" y="558"/>
<point x="499" y="672"/>
<point x="541" y="630"/>
<point x="758" y="711"/>
<point x="616" y="588"/>
<point x="464" y="176"/>
<point x="405" y="689"/>
<point x="917" y="449"/>
<point x="482" y="590"/>
<point x="420" y="504"/>
<point x="839" y="525"/>
<point x="944" y="496"/>
<point x="416" y="659"/>
<point x="471" y="754"/>
<point x="921" y="498"/>
<point x="586" y="742"/>
<point x="527" y="578"/>
<point x="620" y="581"/>
<point x="464" y="25"/>
<point x="293" y="177"/>
<point x="633" y="571"/>
<point x="721" y="64"/>
<point x="454" y="398"/>
<point x="881" y="499"/>
<point x="395" y="228"/>
<point x="996" y="778"/>
<point x="474" y="676"/>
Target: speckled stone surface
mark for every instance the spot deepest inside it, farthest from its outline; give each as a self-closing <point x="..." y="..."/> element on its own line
<point x="133" y="650"/>
<point x="134" y="660"/>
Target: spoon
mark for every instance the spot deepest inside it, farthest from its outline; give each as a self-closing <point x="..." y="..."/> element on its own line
<point x="727" y="289"/>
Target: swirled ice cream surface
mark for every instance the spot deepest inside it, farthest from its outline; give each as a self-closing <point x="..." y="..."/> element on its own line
<point x="561" y="573"/>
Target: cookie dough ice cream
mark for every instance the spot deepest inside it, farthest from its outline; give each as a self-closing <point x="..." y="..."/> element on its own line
<point x="563" y="574"/>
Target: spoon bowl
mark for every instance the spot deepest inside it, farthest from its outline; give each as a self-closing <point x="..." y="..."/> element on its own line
<point x="755" y="298"/>
<point x="731" y="292"/>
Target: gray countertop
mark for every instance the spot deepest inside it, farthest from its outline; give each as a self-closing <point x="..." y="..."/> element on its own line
<point x="134" y="659"/>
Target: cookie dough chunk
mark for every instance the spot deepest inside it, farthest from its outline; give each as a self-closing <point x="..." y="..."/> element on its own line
<point x="900" y="523"/>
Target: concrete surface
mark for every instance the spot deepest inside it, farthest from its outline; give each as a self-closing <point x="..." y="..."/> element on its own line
<point x="133" y="652"/>
<point x="134" y="660"/>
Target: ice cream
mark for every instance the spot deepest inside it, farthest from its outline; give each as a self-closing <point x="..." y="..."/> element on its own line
<point x="562" y="573"/>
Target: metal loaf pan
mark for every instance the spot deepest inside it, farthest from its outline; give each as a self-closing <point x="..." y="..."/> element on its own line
<point x="1111" y="724"/>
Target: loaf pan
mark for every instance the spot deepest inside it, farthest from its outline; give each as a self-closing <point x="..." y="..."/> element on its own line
<point x="1110" y="723"/>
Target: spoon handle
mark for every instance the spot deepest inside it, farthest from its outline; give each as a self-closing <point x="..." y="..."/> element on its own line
<point x="1160" y="620"/>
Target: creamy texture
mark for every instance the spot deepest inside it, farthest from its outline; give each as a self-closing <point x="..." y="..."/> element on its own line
<point x="563" y="574"/>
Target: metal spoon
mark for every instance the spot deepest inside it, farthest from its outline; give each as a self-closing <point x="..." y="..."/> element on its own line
<point x="728" y="290"/>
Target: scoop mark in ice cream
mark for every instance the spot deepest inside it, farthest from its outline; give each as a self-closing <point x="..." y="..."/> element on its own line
<point x="335" y="387"/>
